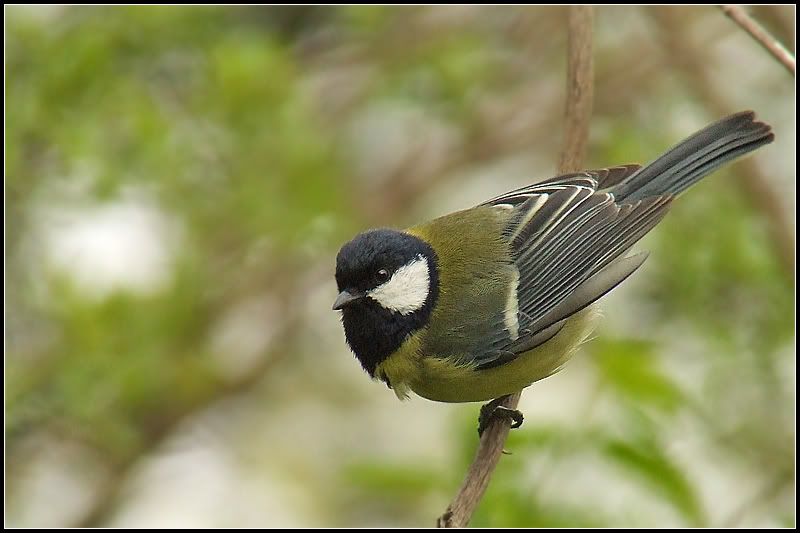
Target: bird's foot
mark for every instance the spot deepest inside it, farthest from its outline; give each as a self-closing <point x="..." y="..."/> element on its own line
<point x="493" y="409"/>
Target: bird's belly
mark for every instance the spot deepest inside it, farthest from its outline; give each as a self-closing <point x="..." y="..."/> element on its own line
<point x="442" y="381"/>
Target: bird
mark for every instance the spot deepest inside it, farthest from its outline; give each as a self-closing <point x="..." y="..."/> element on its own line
<point x="481" y="303"/>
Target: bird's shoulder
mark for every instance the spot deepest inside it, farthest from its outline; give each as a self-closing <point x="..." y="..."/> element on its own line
<point x="475" y="270"/>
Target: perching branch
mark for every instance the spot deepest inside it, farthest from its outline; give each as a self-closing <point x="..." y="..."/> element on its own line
<point x="576" y="134"/>
<point x="490" y="448"/>
<point x="757" y="32"/>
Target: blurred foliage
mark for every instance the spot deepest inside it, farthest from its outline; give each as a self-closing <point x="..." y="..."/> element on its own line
<point x="111" y="90"/>
<point x="248" y="129"/>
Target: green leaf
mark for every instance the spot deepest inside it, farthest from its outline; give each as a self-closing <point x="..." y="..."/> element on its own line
<point x="405" y="480"/>
<point x="647" y="460"/>
<point x="630" y="367"/>
<point x="508" y="506"/>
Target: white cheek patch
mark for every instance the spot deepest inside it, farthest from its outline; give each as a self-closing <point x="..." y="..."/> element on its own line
<point x="407" y="289"/>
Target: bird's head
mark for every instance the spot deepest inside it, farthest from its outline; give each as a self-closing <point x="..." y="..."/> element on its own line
<point x="388" y="284"/>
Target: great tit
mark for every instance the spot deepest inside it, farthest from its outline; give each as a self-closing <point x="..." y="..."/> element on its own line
<point x="483" y="302"/>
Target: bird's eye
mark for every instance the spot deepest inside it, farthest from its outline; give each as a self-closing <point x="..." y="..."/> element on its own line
<point x="383" y="275"/>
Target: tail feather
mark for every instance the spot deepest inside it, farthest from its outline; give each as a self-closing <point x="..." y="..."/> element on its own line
<point x="699" y="155"/>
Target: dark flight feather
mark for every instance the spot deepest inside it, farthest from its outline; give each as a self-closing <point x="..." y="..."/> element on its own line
<point x="569" y="234"/>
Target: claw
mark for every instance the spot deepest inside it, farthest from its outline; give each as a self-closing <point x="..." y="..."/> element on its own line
<point x="493" y="409"/>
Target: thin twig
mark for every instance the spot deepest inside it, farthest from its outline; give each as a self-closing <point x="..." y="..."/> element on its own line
<point x="779" y="21"/>
<point x="757" y="32"/>
<point x="490" y="448"/>
<point x="580" y="90"/>
<point x="577" y="113"/>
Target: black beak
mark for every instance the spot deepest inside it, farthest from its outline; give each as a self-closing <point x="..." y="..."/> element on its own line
<point x="346" y="297"/>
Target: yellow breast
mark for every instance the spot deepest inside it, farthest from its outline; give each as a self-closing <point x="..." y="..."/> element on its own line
<point x="443" y="381"/>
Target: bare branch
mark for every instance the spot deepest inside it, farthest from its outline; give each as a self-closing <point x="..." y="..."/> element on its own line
<point x="578" y="112"/>
<point x="580" y="90"/>
<point x="757" y="32"/>
<point x="459" y="512"/>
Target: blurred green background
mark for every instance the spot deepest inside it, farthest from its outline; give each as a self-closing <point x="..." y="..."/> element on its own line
<point x="178" y="181"/>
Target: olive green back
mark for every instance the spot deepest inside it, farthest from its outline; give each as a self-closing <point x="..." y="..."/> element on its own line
<point x="475" y="269"/>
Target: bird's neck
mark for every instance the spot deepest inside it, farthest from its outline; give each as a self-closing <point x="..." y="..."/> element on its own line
<point x="375" y="333"/>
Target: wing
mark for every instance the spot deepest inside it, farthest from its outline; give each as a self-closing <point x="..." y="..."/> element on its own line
<point x="568" y="236"/>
